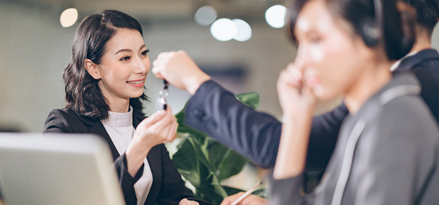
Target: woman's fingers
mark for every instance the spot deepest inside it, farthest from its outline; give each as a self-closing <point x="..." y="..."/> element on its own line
<point x="188" y="202"/>
<point x="171" y="128"/>
<point x="154" y="118"/>
<point x="295" y="75"/>
<point x="183" y="202"/>
<point x="297" y="89"/>
<point x="173" y="132"/>
<point x="163" y="130"/>
<point x="159" y="64"/>
<point x="254" y="200"/>
<point x="304" y="80"/>
<point x="165" y="55"/>
<point x="162" y="126"/>
<point x="178" y="68"/>
<point x="288" y="84"/>
<point x="230" y="199"/>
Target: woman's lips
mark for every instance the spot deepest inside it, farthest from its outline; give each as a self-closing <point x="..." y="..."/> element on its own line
<point x="136" y="83"/>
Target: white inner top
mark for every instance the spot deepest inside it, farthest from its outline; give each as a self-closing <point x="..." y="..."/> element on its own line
<point x="396" y="64"/>
<point x="119" y="127"/>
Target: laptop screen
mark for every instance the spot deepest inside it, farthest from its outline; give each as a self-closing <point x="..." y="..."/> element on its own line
<point x="57" y="169"/>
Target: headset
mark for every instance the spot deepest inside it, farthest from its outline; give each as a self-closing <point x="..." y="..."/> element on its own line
<point x="371" y="30"/>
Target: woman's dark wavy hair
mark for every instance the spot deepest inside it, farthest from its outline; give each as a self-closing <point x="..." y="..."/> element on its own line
<point x="83" y="94"/>
<point x="398" y="27"/>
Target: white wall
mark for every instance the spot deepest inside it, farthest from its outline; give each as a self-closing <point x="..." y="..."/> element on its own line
<point x="32" y="56"/>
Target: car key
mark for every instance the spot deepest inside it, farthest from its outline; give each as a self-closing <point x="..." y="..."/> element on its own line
<point x="161" y="103"/>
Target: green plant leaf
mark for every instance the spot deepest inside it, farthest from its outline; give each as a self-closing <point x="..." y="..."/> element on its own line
<point x="182" y="127"/>
<point x="217" y="152"/>
<point x="225" y="161"/>
<point x="204" y="162"/>
<point x="212" y="194"/>
<point x="187" y="162"/>
<point x="231" y="190"/>
<point x="192" y="161"/>
<point x="250" y="99"/>
<point x="261" y="192"/>
<point x="210" y="188"/>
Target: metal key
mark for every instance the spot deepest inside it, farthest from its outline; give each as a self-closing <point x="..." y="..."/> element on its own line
<point x="161" y="103"/>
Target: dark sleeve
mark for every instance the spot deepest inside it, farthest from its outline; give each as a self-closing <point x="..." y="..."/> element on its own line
<point x="256" y="135"/>
<point x="126" y="181"/>
<point x="66" y="121"/>
<point x="173" y="189"/>
<point x="323" y="137"/>
<point x="428" y="77"/>
<point x="288" y="191"/>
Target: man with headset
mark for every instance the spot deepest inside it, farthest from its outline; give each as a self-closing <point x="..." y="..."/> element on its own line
<point x="258" y="139"/>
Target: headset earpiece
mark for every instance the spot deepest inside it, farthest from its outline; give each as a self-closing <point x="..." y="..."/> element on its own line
<point x="371" y="28"/>
<point x="370" y="32"/>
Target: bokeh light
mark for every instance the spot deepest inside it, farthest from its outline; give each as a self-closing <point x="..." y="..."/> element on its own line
<point x="223" y="29"/>
<point x="68" y="17"/>
<point x="205" y="15"/>
<point x="244" y="31"/>
<point x="275" y="16"/>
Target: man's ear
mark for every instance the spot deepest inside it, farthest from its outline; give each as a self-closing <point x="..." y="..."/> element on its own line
<point x="92" y="69"/>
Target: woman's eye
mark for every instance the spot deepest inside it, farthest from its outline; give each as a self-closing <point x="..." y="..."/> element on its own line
<point x="145" y="52"/>
<point x="126" y="58"/>
<point x="315" y="40"/>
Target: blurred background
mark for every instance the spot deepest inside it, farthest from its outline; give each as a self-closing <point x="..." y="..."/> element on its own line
<point x="245" y="54"/>
<point x="241" y="43"/>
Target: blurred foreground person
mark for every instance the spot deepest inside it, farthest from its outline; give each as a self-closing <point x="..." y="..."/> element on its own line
<point x="422" y="60"/>
<point x="387" y="150"/>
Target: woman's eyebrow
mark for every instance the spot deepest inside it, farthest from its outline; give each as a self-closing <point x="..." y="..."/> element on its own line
<point x="143" y="46"/>
<point x="123" y="50"/>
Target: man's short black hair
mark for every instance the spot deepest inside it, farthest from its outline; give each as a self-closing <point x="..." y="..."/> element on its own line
<point x="427" y="12"/>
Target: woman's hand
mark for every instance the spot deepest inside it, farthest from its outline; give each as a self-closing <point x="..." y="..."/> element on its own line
<point x="297" y="99"/>
<point x="188" y="202"/>
<point x="249" y="200"/>
<point x="296" y="93"/>
<point x="159" y="128"/>
<point x="179" y="70"/>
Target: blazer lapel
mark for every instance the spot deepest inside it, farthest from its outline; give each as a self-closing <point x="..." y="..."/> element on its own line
<point x="137" y="118"/>
<point x="96" y="127"/>
<point x="99" y="128"/>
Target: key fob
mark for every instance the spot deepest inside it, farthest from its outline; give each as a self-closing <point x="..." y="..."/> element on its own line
<point x="161" y="104"/>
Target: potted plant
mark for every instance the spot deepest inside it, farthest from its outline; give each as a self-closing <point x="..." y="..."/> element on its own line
<point x="205" y="163"/>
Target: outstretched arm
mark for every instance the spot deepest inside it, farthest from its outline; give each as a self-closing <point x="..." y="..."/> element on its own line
<point x="256" y="135"/>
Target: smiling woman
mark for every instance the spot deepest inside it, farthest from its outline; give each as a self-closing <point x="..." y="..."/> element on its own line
<point x="104" y="85"/>
<point x="123" y="68"/>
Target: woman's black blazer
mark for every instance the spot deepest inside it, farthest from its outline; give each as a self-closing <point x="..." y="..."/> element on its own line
<point x="167" y="187"/>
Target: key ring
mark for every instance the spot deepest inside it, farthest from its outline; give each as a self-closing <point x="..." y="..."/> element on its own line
<point x="163" y="95"/>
